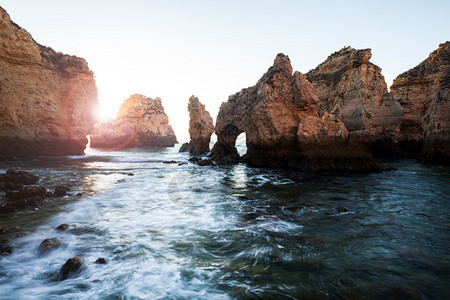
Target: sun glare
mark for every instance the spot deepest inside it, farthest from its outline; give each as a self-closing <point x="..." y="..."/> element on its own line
<point x="106" y="112"/>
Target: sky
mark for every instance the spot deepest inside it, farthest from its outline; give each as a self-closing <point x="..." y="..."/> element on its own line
<point x="212" y="49"/>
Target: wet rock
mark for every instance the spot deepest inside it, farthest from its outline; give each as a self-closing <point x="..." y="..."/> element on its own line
<point x="72" y="267"/>
<point x="195" y="159"/>
<point x="48" y="245"/>
<point x="79" y="194"/>
<point x="184" y="147"/>
<point x="27" y="192"/>
<point x="206" y="162"/>
<point x="182" y="163"/>
<point x="201" y="127"/>
<point x="65" y="227"/>
<point x="60" y="191"/>
<point x="5" y="186"/>
<point x="38" y="74"/>
<point x="6" y="251"/>
<point x="100" y="260"/>
<point x="130" y="174"/>
<point x="169" y="162"/>
<point x="13" y="176"/>
<point x="141" y="121"/>
<point x="30" y="202"/>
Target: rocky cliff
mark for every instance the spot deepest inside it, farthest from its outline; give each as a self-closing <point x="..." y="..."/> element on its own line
<point x="283" y="129"/>
<point x="351" y="87"/>
<point x="424" y="95"/>
<point x="48" y="100"/>
<point x="201" y="127"/>
<point x="140" y="121"/>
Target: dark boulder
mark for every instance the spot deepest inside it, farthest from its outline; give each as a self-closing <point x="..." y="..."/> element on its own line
<point x="101" y="261"/>
<point x="184" y="148"/>
<point x="19" y="177"/>
<point x="49" y="244"/>
<point x="206" y="162"/>
<point x="64" y="227"/>
<point x="27" y="192"/>
<point x="60" y="191"/>
<point x="72" y="267"/>
<point x="6" y="251"/>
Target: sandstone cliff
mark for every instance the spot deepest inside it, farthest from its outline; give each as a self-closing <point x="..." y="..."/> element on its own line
<point x="140" y="121"/>
<point x="48" y="100"/>
<point x="280" y="118"/>
<point x="201" y="127"/>
<point x="351" y="87"/>
<point x="424" y="95"/>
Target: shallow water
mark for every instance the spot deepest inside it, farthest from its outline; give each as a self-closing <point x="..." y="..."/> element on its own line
<point x="175" y="231"/>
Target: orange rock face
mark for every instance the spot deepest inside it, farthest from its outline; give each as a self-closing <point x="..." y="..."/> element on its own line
<point x="141" y="121"/>
<point x="351" y="87"/>
<point x="280" y="118"/>
<point x="48" y="100"/>
<point x="424" y="94"/>
<point x="201" y="127"/>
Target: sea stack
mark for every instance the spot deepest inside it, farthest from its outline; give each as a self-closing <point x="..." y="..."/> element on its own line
<point x="140" y="121"/>
<point x="48" y="100"/>
<point x="283" y="128"/>
<point x="349" y="86"/>
<point x="424" y="94"/>
<point x="201" y="127"/>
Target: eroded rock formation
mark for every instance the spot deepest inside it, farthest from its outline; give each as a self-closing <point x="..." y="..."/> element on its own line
<point x="141" y="121"/>
<point x="48" y="100"/>
<point x="424" y="95"/>
<point x="280" y="118"/>
<point x="201" y="127"/>
<point x="351" y="87"/>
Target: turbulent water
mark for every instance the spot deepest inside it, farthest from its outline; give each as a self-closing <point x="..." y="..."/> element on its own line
<point x="180" y="231"/>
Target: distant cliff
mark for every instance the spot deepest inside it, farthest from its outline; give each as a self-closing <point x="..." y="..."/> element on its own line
<point x="48" y="100"/>
<point x="141" y="121"/>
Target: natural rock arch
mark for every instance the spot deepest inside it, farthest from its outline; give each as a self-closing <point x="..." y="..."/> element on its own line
<point x="283" y="130"/>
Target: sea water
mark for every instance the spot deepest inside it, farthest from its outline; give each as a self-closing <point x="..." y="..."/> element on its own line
<point x="181" y="231"/>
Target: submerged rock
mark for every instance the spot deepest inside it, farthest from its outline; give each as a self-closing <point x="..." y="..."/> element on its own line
<point x="424" y="94"/>
<point x="48" y="99"/>
<point x="26" y="192"/>
<point x="6" y="251"/>
<point x="65" y="227"/>
<point x="141" y="121"/>
<point x="18" y="177"/>
<point x="49" y="244"/>
<point x="60" y="191"/>
<point x="72" y="267"/>
<point x="279" y="116"/>
<point x="101" y="261"/>
<point x="201" y="127"/>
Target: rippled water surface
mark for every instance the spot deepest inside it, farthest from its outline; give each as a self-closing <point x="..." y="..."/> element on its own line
<point x="180" y="231"/>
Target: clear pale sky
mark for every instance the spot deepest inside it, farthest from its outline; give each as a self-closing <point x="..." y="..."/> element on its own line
<point x="212" y="49"/>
